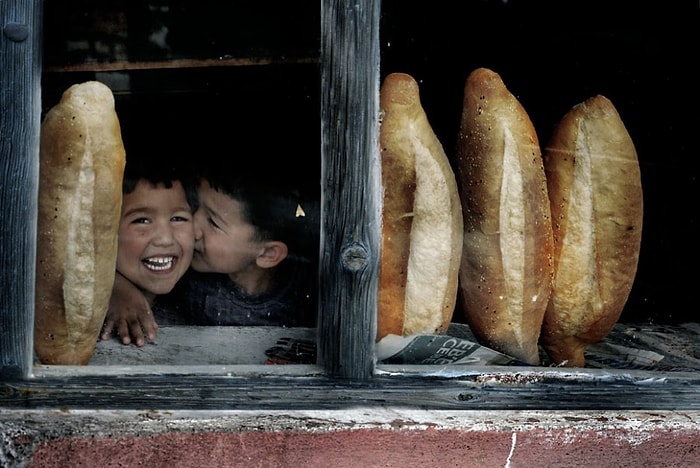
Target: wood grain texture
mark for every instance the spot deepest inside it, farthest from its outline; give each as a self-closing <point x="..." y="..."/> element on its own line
<point x="20" y="107"/>
<point x="350" y="186"/>
<point x="483" y="389"/>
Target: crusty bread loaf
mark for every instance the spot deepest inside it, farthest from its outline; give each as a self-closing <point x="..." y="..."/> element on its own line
<point x="81" y="168"/>
<point x="506" y="271"/>
<point x="421" y="218"/>
<point x="595" y="188"/>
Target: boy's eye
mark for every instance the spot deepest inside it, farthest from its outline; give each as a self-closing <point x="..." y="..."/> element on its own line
<point x="141" y="221"/>
<point x="180" y="219"/>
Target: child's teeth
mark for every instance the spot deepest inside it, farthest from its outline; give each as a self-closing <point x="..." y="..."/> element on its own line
<point x="158" y="263"/>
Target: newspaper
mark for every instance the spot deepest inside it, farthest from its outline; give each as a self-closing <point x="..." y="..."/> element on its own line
<point x="640" y="346"/>
<point x="438" y="349"/>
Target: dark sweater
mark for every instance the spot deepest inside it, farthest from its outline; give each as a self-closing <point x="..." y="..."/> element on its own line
<point x="213" y="299"/>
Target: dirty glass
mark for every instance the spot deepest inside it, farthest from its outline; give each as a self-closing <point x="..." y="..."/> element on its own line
<point x="551" y="56"/>
<point x="229" y="92"/>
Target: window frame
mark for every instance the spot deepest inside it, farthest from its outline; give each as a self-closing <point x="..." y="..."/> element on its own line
<point x="346" y="374"/>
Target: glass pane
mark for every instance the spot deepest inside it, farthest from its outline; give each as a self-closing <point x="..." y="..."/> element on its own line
<point x="228" y="91"/>
<point x="551" y="56"/>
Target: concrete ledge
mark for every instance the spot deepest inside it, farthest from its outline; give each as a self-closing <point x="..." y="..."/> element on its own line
<point x="373" y="437"/>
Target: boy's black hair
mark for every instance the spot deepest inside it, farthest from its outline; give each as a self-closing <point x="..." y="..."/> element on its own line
<point x="158" y="172"/>
<point x="272" y="205"/>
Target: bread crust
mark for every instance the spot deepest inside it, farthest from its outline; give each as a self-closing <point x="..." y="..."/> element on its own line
<point x="82" y="160"/>
<point x="594" y="185"/>
<point x="421" y="218"/>
<point x="506" y="271"/>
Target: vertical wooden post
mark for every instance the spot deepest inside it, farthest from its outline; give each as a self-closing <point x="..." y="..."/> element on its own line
<point x="20" y="113"/>
<point x="350" y="186"/>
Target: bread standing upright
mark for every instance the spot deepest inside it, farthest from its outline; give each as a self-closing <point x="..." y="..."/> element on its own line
<point x="506" y="271"/>
<point x="594" y="184"/>
<point x="82" y="160"/>
<point x="421" y="218"/>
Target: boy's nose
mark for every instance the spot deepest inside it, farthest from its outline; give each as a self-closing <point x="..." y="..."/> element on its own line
<point x="164" y="236"/>
<point x="198" y="220"/>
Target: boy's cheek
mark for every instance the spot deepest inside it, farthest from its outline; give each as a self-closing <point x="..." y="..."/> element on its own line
<point x="186" y="239"/>
<point x="198" y="264"/>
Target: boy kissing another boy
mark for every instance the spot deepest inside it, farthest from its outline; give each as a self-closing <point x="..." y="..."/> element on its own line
<point x="253" y="262"/>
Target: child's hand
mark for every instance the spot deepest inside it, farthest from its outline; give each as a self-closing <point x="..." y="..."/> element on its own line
<point x="129" y="314"/>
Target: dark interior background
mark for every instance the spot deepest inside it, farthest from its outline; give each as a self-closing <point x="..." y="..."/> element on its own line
<point x="551" y="55"/>
<point x="201" y="81"/>
<point x="554" y="54"/>
<point x="178" y="97"/>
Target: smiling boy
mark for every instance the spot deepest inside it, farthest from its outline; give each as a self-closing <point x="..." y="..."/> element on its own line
<point x="155" y="244"/>
<point x="251" y="266"/>
<point x="156" y="236"/>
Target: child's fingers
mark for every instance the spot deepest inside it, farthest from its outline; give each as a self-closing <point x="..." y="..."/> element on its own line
<point x="149" y="327"/>
<point x="126" y="330"/>
<point x="107" y="330"/>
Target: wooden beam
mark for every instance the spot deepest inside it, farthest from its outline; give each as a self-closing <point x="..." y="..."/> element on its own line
<point x="20" y="104"/>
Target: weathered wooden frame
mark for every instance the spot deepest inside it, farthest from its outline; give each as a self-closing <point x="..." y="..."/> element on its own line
<point x="346" y="374"/>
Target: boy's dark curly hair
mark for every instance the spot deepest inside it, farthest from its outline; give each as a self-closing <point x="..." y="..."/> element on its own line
<point x="158" y="172"/>
<point x="271" y="204"/>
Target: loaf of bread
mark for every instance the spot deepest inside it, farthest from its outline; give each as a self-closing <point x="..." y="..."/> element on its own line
<point x="595" y="189"/>
<point x="81" y="169"/>
<point x="506" y="271"/>
<point x="421" y="218"/>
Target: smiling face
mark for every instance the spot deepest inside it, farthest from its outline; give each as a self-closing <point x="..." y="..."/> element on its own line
<point x="225" y="239"/>
<point x="156" y="237"/>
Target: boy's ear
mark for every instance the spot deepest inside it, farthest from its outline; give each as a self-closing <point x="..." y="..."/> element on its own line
<point x="272" y="254"/>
